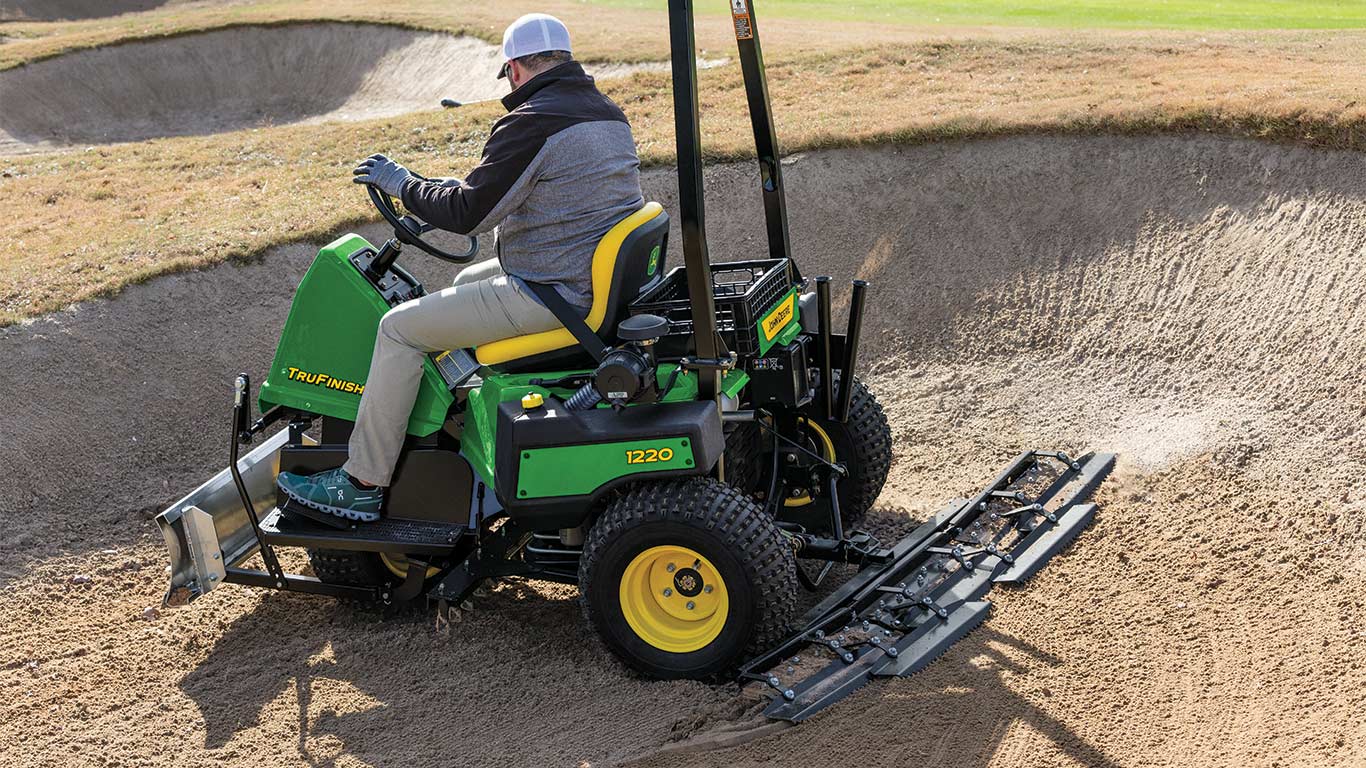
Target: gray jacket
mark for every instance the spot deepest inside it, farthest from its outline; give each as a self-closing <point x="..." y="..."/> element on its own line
<point x="558" y="171"/>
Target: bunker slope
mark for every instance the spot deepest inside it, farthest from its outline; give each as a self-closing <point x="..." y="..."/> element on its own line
<point x="1191" y="302"/>
<point x="68" y="10"/>
<point x="242" y="77"/>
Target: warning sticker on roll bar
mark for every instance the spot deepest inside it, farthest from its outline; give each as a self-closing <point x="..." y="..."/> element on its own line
<point x="739" y="13"/>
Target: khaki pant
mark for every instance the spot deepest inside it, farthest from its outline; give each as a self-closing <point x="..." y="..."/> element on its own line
<point x="483" y="305"/>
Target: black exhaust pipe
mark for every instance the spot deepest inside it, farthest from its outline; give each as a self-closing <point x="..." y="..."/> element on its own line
<point x="851" y="339"/>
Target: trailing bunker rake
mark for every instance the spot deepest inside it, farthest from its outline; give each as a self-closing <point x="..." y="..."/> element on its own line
<point x="926" y="592"/>
<point x="677" y="455"/>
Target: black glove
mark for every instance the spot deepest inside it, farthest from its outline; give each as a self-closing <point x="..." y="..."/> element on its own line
<point x="383" y="173"/>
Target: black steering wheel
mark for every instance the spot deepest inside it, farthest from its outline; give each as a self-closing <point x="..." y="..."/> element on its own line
<point x="410" y="229"/>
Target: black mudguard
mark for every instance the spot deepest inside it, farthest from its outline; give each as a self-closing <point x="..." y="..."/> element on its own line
<point x="554" y="426"/>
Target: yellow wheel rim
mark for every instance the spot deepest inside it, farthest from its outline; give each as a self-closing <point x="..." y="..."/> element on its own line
<point x="398" y="565"/>
<point x="826" y="446"/>
<point x="674" y="599"/>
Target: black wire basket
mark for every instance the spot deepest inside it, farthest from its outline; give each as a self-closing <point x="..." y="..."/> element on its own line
<point x="743" y="291"/>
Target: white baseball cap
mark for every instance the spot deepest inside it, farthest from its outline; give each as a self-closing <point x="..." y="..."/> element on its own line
<point x="533" y="33"/>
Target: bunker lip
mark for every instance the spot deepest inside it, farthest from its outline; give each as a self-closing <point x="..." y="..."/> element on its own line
<point x="1190" y="302"/>
<point x="244" y="77"/>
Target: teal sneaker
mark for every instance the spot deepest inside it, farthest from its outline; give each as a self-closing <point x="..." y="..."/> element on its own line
<point x="333" y="492"/>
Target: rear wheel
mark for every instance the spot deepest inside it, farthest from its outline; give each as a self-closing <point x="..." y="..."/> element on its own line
<point x="684" y="579"/>
<point x="863" y="444"/>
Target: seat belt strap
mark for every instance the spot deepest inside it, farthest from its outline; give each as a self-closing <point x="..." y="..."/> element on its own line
<point x="569" y="318"/>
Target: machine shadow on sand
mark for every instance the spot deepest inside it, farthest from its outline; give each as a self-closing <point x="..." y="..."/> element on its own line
<point x="403" y="669"/>
<point x="232" y="692"/>
<point x="991" y="656"/>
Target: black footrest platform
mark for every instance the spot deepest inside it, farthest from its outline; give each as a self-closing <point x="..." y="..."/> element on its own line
<point x="416" y="537"/>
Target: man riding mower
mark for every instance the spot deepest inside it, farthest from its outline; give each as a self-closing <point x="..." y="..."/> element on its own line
<point x="674" y="442"/>
<point x="559" y="171"/>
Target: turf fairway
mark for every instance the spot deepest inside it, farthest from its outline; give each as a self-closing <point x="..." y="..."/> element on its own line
<point x="1139" y="14"/>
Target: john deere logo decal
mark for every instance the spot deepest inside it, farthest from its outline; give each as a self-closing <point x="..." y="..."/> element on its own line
<point x="778" y="318"/>
<point x="653" y="266"/>
<point x="325" y="381"/>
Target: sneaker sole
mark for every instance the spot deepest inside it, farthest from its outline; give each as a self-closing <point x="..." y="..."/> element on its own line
<point x="349" y="514"/>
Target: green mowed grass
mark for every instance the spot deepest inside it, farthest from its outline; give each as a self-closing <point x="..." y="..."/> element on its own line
<point x="1154" y="14"/>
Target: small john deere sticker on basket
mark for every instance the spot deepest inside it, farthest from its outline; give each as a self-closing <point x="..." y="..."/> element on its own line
<point x="739" y="13"/>
<point x="782" y="316"/>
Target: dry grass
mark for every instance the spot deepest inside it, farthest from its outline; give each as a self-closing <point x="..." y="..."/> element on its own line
<point x="600" y="33"/>
<point x="79" y="224"/>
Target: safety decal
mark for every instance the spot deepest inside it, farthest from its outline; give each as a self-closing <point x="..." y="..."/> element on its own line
<point x="739" y="13"/>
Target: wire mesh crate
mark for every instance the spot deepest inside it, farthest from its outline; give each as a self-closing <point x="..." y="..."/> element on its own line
<point x="743" y="291"/>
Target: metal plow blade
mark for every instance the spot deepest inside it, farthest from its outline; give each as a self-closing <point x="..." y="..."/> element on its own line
<point x="209" y="530"/>
<point x="927" y="592"/>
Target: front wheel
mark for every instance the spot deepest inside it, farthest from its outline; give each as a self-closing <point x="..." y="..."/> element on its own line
<point x="360" y="569"/>
<point x="686" y="578"/>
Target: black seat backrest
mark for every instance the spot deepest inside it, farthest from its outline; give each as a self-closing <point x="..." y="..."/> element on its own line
<point x="640" y="267"/>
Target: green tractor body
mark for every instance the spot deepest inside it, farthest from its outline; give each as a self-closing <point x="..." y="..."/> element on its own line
<point x="323" y="356"/>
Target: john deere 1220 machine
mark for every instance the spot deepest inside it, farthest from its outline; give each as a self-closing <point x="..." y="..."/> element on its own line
<point x="691" y="454"/>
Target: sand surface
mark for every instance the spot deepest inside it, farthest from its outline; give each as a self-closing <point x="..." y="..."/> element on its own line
<point x="244" y="77"/>
<point x="1193" y="303"/>
<point x="64" y="10"/>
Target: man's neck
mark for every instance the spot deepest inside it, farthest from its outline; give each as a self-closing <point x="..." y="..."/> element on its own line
<point x="524" y="91"/>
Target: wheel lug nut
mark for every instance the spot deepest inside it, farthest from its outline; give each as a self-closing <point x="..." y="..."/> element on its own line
<point x="691" y="605"/>
<point x="668" y="592"/>
<point x="669" y="567"/>
<point x="707" y="589"/>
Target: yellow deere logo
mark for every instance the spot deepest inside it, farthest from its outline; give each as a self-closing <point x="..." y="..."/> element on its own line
<point x="326" y="381"/>
<point x="778" y="317"/>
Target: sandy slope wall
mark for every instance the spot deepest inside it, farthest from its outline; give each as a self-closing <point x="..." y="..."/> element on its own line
<point x="242" y="77"/>
<point x="1191" y="302"/>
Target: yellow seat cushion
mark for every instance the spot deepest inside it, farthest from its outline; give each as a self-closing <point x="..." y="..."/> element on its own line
<point x="604" y="266"/>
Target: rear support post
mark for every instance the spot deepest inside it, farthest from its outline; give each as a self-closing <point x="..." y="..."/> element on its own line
<point x="856" y="301"/>
<point x="697" y="263"/>
<point x="823" y="348"/>
<point x="761" y="118"/>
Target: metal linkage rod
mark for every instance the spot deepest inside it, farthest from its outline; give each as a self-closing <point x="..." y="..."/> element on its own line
<point x="241" y="407"/>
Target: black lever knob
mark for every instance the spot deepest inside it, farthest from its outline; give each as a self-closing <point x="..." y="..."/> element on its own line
<point x="642" y="328"/>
